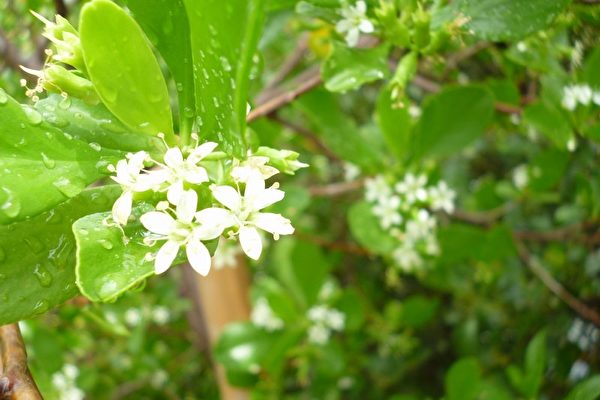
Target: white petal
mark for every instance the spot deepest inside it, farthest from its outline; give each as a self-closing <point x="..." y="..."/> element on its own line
<point x="187" y="206"/>
<point x="215" y="216"/>
<point x="165" y="256"/>
<point x="175" y="192"/>
<point x="122" y="208"/>
<point x="173" y="157"/>
<point x="352" y="37"/>
<point x="122" y="171"/>
<point x="366" y="26"/>
<point x="198" y="256"/>
<point x="361" y="7"/>
<point x="151" y="180"/>
<point x="136" y="161"/>
<point x="251" y="242"/>
<point x="266" y="198"/>
<point x="158" y="222"/>
<point x="196" y="175"/>
<point x="343" y="26"/>
<point x="227" y="196"/>
<point x="254" y="187"/>
<point x="201" y="151"/>
<point x="273" y="223"/>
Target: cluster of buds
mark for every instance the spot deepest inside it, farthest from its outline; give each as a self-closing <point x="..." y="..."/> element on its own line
<point x="204" y="195"/>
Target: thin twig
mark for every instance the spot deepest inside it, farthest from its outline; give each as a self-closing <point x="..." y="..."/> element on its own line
<point x="326" y="244"/>
<point x="554" y="286"/>
<point x="310" y="80"/>
<point x="15" y="380"/>
<point x="456" y="58"/>
<point x="308" y="134"/>
<point x="336" y="189"/>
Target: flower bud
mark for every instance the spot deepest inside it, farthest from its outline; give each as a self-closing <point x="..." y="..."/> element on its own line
<point x="285" y="161"/>
<point x="393" y="27"/>
<point x="421" y="34"/>
<point x="405" y="72"/>
<point x="66" y="40"/>
<point x="59" y="79"/>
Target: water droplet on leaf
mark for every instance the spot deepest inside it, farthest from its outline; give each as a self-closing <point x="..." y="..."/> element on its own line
<point x="43" y="275"/>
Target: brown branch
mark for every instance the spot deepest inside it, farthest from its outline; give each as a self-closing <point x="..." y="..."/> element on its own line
<point x="338" y="246"/>
<point x="456" y="58"/>
<point x="61" y="8"/>
<point x="15" y="379"/>
<point x="554" y="286"/>
<point x="307" y="81"/>
<point x="13" y="58"/>
<point x="336" y="189"/>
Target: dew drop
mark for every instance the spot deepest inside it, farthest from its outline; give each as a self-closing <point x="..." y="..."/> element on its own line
<point x="106" y="244"/>
<point x="3" y="97"/>
<point x="43" y="275"/>
<point x="41" y="307"/>
<point x="11" y="206"/>
<point x="48" y="162"/>
<point x="95" y="146"/>
<point x="70" y="187"/>
<point x="33" y="116"/>
<point x="65" y="103"/>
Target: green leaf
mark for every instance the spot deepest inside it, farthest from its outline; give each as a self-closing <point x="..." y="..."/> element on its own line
<point x="418" y="311"/>
<point x="224" y="41"/>
<point x="550" y="122"/>
<point x="367" y="231"/>
<point x="339" y="132"/>
<point x="586" y="390"/>
<point x="591" y="69"/>
<point x="453" y="119"/>
<point x="348" y="68"/>
<point x="166" y="25"/>
<point x="37" y="256"/>
<point x="109" y="263"/>
<point x="94" y="124"/>
<point x="535" y="363"/>
<point x="502" y="20"/>
<point x="42" y="167"/>
<point x="395" y="124"/>
<point x="279" y="300"/>
<point x="463" y="380"/>
<point x="302" y="268"/>
<point x="123" y="68"/>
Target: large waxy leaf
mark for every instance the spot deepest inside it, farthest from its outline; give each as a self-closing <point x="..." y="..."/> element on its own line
<point x="453" y="119"/>
<point x="94" y="124"/>
<point x="166" y="25"/>
<point x="40" y="166"/>
<point x="224" y="40"/>
<point x="37" y="256"/>
<point x="509" y="19"/>
<point x="348" y="69"/>
<point x="123" y="68"/>
<point x="109" y="263"/>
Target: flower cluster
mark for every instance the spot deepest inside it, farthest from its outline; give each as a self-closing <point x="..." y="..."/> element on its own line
<point x="233" y="194"/>
<point x="324" y="320"/>
<point x="65" y="383"/>
<point x="575" y="95"/>
<point x="404" y="211"/>
<point x="354" y="21"/>
<point x="264" y="317"/>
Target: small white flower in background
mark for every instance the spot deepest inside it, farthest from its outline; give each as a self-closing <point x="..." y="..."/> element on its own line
<point x="129" y="176"/>
<point x="253" y="165"/>
<point x="407" y="257"/>
<point x="520" y="176"/>
<point x="583" y="334"/>
<point x="324" y="320"/>
<point x="177" y="170"/>
<point x="377" y="188"/>
<point x="327" y="290"/>
<point x="263" y="316"/>
<point x="574" y="95"/>
<point x="226" y="254"/>
<point x="351" y="172"/>
<point x="579" y="370"/>
<point x="133" y="316"/>
<point x="161" y="315"/>
<point x="572" y="144"/>
<point x="387" y="211"/>
<point x="345" y="382"/>
<point x="413" y="188"/>
<point x="596" y="98"/>
<point x="521" y="47"/>
<point x="183" y="232"/>
<point x="64" y="381"/>
<point x="414" y="111"/>
<point x="354" y="21"/>
<point x="442" y="197"/>
<point x="245" y="211"/>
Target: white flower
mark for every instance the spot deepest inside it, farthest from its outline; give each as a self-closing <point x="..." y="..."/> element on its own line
<point x="336" y="320"/>
<point x="407" y="257"/>
<point x="413" y="188"/>
<point x="569" y="100"/>
<point x="318" y="334"/>
<point x="253" y="165"/>
<point x="596" y="98"/>
<point x="579" y="370"/>
<point x="129" y="176"/>
<point x="177" y="170"/>
<point x="414" y="111"/>
<point x="245" y="212"/>
<point x="160" y="315"/>
<point x="351" y="171"/>
<point x="420" y="227"/>
<point x="263" y="316"/>
<point x="387" y="211"/>
<point x="577" y="94"/>
<point x="520" y="176"/>
<point x="183" y="232"/>
<point x="226" y="254"/>
<point x="572" y="144"/>
<point x="377" y="188"/>
<point x="354" y="21"/>
<point x="133" y="317"/>
<point x="442" y="197"/>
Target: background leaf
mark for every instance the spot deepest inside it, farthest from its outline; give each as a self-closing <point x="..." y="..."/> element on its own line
<point x="586" y="390"/>
<point x="366" y="229"/>
<point x="37" y="256"/>
<point x="224" y="41"/>
<point x="395" y="124"/>
<point x="463" y="380"/>
<point x="123" y="68"/>
<point x="453" y="119"/>
<point x="41" y="166"/>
